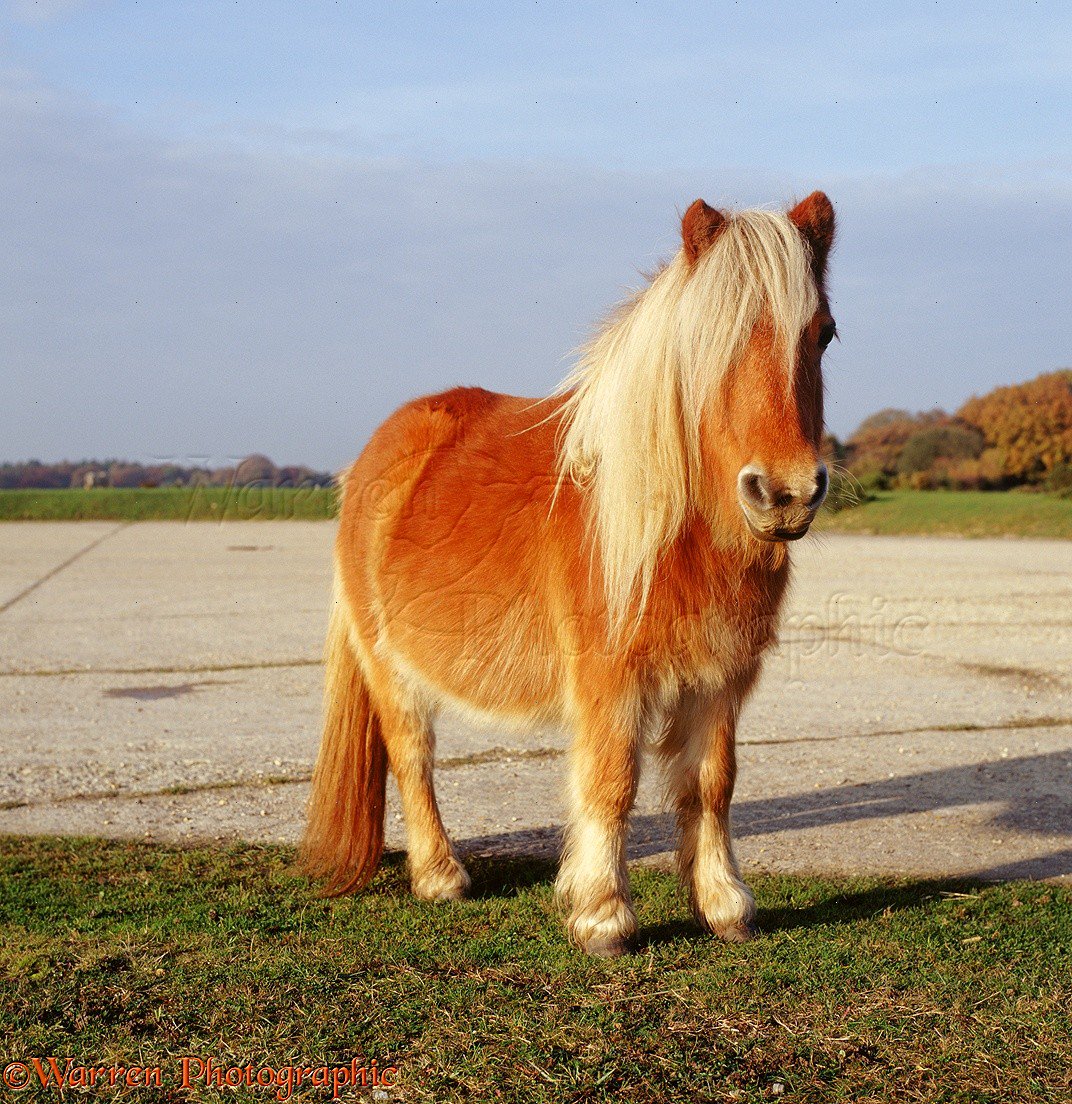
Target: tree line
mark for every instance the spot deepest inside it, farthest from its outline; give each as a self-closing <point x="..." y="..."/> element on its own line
<point x="1019" y="435"/>
<point x="1013" y="436"/>
<point x="256" y="469"/>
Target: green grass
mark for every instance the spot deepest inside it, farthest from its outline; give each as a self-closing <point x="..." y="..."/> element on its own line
<point x="956" y="513"/>
<point x="117" y="952"/>
<point x="169" y="503"/>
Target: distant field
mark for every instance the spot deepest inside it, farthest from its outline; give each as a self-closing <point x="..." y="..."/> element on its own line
<point x="169" y="503"/>
<point x="954" y="513"/>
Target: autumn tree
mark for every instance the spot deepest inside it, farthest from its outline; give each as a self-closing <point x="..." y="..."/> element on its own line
<point x="944" y="442"/>
<point x="1029" y="425"/>
<point x="879" y="440"/>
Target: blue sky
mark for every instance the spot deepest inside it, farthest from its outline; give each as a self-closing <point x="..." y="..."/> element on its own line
<point x="237" y="227"/>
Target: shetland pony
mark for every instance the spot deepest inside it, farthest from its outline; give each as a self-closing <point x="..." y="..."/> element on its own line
<point x="611" y="558"/>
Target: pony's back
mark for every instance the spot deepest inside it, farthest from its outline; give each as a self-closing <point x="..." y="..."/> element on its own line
<point x="450" y="550"/>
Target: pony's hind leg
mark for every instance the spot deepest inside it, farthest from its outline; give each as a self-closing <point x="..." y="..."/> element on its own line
<point x="699" y="745"/>
<point x="593" y="879"/>
<point x="436" y="873"/>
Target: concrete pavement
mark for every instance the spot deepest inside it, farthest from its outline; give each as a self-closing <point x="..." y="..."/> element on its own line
<point x="162" y="680"/>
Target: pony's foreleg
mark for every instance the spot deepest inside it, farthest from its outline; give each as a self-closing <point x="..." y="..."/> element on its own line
<point x="700" y="745"/>
<point x="436" y="873"/>
<point x="593" y="879"/>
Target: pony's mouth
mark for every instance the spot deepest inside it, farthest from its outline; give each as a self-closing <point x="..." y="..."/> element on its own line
<point x="775" y="534"/>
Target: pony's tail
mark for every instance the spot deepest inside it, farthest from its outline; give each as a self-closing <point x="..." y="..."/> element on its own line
<point x="344" y="835"/>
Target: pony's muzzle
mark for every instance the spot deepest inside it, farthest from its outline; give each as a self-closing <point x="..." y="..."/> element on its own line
<point x="781" y="509"/>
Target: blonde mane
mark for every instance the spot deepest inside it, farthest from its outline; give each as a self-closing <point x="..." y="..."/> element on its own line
<point x="631" y="431"/>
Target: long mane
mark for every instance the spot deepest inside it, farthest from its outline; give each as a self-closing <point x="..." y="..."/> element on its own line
<point x="631" y="427"/>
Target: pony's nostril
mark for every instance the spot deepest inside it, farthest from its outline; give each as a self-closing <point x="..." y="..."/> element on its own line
<point x="762" y="494"/>
<point x="822" y="483"/>
<point x="754" y="488"/>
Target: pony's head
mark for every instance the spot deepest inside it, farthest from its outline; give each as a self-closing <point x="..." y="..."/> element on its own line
<point x="703" y="395"/>
<point x="760" y="439"/>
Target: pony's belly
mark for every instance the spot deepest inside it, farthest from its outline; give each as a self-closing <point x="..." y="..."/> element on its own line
<point x="490" y="680"/>
<point x="485" y="649"/>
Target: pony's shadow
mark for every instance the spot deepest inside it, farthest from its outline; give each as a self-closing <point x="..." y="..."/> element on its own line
<point x="492" y="876"/>
<point x="505" y="877"/>
<point x="1030" y="803"/>
<point x="849" y="908"/>
<point x="834" y="910"/>
<point x="496" y="875"/>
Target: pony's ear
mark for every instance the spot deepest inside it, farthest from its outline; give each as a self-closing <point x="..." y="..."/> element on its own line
<point x="814" y="218"/>
<point x="699" y="228"/>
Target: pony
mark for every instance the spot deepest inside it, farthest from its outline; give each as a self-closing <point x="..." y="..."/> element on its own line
<point x="610" y="559"/>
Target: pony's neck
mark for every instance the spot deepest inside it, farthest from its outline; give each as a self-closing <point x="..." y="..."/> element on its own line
<point x="633" y="406"/>
<point x="703" y="554"/>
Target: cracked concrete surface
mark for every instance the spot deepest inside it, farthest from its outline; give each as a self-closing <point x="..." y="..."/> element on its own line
<point x="162" y="680"/>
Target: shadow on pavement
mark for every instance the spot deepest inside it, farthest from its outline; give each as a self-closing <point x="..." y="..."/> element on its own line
<point x="1034" y="792"/>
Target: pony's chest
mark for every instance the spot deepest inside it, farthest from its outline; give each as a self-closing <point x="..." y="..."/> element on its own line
<point x="720" y="627"/>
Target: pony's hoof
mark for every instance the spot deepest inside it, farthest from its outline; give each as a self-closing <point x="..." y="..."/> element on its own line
<point x="444" y="884"/>
<point x="609" y="946"/>
<point x="742" y="932"/>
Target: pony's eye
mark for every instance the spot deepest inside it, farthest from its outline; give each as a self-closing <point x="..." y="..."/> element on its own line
<point x="827" y="334"/>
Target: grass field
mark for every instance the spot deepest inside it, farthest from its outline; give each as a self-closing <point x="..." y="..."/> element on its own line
<point x="956" y="513"/>
<point x="959" y="513"/>
<point x="115" y="952"/>
<point x="168" y="503"/>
